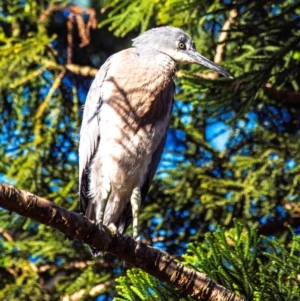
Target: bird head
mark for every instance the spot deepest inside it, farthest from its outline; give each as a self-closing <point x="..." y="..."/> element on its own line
<point x="178" y="45"/>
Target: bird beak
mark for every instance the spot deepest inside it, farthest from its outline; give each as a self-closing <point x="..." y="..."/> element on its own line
<point x="201" y="60"/>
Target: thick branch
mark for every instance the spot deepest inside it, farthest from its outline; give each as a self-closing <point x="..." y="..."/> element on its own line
<point x="153" y="261"/>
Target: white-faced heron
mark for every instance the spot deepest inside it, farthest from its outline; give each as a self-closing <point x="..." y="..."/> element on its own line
<point x="125" y="121"/>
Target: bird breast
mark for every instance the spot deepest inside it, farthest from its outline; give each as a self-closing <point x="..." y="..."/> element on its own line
<point x="134" y="116"/>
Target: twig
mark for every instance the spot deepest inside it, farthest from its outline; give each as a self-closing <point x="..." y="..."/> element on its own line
<point x="6" y="235"/>
<point x="75" y="14"/>
<point x="94" y="291"/>
<point x="282" y="96"/>
<point x="75" y="265"/>
<point x="220" y="49"/>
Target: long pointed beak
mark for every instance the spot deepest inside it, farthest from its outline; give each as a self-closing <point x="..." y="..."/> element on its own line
<point x="201" y="60"/>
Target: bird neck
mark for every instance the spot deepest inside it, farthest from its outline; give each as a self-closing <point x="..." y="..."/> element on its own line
<point x="156" y="86"/>
<point x="160" y="63"/>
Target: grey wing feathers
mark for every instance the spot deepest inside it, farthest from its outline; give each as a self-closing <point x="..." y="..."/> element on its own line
<point x="153" y="167"/>
<point x="89" y="133"/>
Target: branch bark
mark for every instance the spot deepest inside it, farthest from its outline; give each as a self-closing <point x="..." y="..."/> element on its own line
<point x="153" y="261"/>
<point x="292" y="219"/>
<point x="272" y="228"/>
<point x="282" y="96"/>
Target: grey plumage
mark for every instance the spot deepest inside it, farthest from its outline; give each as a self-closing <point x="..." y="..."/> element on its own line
<point x="125" y="121"/>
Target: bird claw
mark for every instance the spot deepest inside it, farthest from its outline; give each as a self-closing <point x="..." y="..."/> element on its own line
<point x="138" y="239"/>
<point x="113" y="228"/>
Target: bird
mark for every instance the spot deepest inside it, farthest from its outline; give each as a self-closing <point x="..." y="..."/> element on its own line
<point x="124" y="125"/>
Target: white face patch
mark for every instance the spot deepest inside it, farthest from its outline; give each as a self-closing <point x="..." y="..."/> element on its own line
<point x="180" y="56"/>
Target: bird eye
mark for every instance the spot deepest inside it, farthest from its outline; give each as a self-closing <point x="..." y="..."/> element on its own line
<point x="181" y="45"/>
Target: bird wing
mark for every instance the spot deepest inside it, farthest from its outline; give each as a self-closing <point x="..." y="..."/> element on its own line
<point x="89" y="132"/>
<point x="168" y="94"/>
<point x="153" y="167"/>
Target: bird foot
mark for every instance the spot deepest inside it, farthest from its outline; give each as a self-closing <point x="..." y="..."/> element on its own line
<point x="113" y="228"/>
<point x="138" y="239"/>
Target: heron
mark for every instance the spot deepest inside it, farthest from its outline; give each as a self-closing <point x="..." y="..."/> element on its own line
<point x="124" y="126"/>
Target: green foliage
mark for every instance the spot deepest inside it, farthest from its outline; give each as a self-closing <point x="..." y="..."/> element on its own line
<point x="228" y="257"/>
<point x="256" y="267"/>
<point x="252" y="266"/>
<point x="138" y="285"/>
<point x="128" y="15"/>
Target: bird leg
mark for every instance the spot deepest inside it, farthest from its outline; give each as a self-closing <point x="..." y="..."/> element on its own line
<point x="135" y="201"/>
<point x="105" y="193"/>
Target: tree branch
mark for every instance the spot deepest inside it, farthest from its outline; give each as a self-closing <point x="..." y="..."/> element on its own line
<point x="292" y="219"/>
<point x="94" y="291"/>
<point x="153" y="261"/>
<point x="277" y="226"/>
<point x="282" y="96"/>
<point x="220" y="49"/>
